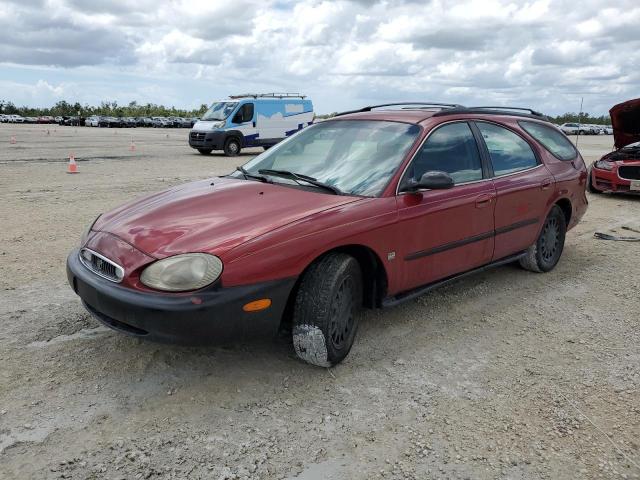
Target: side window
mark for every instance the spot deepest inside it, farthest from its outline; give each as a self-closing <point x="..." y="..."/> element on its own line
<point x="451" y="148"/>
<point x="245" y="114"/>
<point x="509" y="153"/>
<point x="553" y="140"/>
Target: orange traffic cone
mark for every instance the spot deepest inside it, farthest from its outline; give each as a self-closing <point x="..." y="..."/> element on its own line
<point x="73" y="166"/>
<point x="13" y="139"/>
<point x="132" y="147"/>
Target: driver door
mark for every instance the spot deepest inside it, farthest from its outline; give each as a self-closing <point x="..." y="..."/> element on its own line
<point x="448" y="231"/>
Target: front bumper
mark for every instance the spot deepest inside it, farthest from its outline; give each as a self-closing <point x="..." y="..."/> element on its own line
<point x="211" y="139"/>
<point x="610" y="181"/>
<point x="206" y="316"/>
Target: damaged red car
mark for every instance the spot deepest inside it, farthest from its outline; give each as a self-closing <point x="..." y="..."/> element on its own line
<point x="619" y="171"/>
<point x="368" y="209"/>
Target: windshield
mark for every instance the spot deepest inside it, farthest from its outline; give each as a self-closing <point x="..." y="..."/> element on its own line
<point x="357" y="157"/>
<point x="219" y="111"/>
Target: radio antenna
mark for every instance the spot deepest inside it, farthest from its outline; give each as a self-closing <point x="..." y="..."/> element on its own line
<point x="579" y="122"/>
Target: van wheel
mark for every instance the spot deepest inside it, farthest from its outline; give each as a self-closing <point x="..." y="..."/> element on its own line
<point x="590" y="186"/>
<point x="205" y="151"/>
<point x="231" y="147"/>
<point x="325" y="310"/>
<point x="544" y="255"/>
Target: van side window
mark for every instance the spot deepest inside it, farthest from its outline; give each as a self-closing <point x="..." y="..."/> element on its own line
<point x="509" y="152"/>
<point x="245" y="114"/>
<point x="452" y="149"/>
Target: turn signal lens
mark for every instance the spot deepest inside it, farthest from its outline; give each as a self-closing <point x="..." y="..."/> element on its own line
<point x="257" y="305"/>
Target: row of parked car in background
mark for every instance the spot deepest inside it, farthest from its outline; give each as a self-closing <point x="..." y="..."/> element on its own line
<point x="586" y="129"/>
<point x="104" y="121"/>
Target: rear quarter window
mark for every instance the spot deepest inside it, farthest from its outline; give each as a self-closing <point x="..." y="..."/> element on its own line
<point x="551" y="139"/>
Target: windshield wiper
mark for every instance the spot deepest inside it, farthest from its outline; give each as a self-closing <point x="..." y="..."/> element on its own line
<point x="260" y="178"/>
<point x="300" y="177"/>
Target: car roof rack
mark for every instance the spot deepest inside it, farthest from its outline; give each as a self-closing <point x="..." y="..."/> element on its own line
<point x="407" y="106"/>
<point x="267" y="95"/>
<point x="514" y="111"/>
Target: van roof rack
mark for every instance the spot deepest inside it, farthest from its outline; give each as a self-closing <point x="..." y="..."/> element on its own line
<point x="514" y="111"/>
<point x="267" y="95"/>
<point x="407" y="106"/>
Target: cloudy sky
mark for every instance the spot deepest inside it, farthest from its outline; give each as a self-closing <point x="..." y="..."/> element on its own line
<point x="343" y="54"/>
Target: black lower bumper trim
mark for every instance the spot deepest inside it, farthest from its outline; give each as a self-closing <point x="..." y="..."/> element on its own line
<point x="212" y="315"/>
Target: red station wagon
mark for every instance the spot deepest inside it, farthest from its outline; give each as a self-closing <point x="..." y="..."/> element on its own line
<point x="619" y="171"/>
<point x="371" y="208"/>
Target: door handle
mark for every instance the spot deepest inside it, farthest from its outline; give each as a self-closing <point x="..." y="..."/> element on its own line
<point x="545" y="184"/>
<point x="484" y="201"/>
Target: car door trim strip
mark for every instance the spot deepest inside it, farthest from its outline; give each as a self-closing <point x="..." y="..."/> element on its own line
<point x="468" y="240"/>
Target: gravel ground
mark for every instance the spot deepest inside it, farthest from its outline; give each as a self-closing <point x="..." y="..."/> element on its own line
<point x="508" y="374"/>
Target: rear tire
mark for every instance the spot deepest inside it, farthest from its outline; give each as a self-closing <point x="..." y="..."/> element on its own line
<point x="232" y="147"/>
<point x="325" y="310"/>
<point x="205" y="151"/>
<point x="590" y="186"/>
<point x="544" y="255"/>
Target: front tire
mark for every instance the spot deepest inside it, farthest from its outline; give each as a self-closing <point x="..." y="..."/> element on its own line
<point x="325" y="310"/>
<point x="544" y="255"/>
<point x="232" y="147"/>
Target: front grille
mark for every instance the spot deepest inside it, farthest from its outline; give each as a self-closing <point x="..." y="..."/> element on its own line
<point x="101" y="265"/>
<point x="629" y="172"/>
<point x="198" y="136"/>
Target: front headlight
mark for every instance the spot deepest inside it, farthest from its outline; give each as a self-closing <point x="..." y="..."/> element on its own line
<point x="189" y="271"/>
<point x="217" y="125"/>
<point x="86" y="232"/>
<point x="604" y="165"/>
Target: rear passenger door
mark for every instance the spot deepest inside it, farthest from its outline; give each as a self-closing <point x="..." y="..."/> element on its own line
<point x="523" y="185"/>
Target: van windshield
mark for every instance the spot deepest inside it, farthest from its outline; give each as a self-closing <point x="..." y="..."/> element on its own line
<point x="219" y="111"/>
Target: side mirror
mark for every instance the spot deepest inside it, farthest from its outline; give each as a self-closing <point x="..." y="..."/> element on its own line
<point x="432" y="180"/>
<point x="237" y="118"/>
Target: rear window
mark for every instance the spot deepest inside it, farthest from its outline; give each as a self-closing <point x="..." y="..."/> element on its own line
<point x="553" y="140"/>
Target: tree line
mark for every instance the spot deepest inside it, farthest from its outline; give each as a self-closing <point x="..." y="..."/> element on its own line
<point x="111" y="109"/>
<point x="133" y="109"/>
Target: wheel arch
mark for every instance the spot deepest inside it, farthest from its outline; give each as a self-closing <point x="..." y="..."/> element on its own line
<point x="374" y="277"/>
<point x="237" y="134"/>
<point x="566" y="207"/>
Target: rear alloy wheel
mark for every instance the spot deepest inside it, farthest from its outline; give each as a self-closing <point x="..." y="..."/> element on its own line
<point x="545" y="253"/>
<point x="205" y="151"/>
<point x="325" y="311"/>
<point x="232" y="147"/>
<point x="590" y="183"/>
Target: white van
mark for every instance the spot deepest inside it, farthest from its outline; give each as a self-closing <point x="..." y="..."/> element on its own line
<point x="250" y="120"/>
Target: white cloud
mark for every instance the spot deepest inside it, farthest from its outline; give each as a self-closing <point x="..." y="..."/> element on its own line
<point x="342" y="53"/>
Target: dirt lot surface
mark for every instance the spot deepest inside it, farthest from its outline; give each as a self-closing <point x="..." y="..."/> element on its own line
<point x="507" y="374"/>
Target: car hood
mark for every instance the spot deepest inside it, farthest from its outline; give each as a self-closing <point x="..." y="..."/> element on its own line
<point x="625" y="120"/>
<point x="212" y="215"/>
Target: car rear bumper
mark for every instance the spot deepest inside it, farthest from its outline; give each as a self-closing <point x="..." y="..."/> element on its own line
<point x="204" y="317"/>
